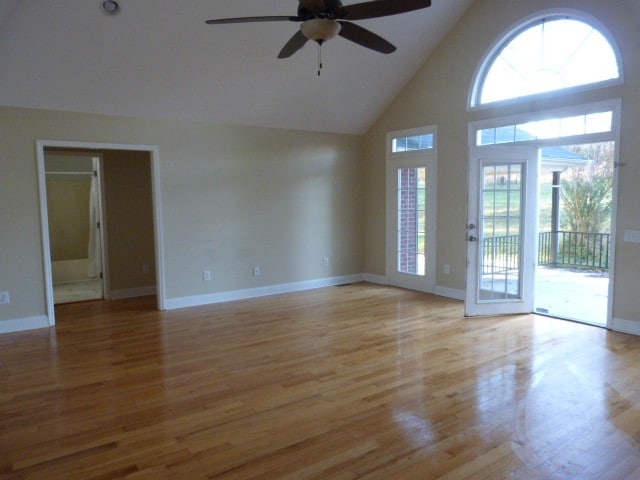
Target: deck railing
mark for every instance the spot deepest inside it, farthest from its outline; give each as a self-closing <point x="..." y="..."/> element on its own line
<point x="574" y="249"/>
<point x="557" y="249"/>
<point x="500" y="254"/>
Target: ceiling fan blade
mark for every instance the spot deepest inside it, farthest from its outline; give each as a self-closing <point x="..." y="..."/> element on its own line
<point x="364" y="37"/>
<point x="294" y="44"/>
<point x="381" y="8"/>
<point x="282" y="18"/>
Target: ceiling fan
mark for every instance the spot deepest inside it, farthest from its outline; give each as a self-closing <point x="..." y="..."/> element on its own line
<point x="322" y="20"/>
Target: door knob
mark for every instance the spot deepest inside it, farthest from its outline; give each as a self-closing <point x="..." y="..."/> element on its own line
<point x="473" y="238"/>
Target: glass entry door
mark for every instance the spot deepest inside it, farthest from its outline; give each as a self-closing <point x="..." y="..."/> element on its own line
<point x="501" y="235"/>
<point x="411" y="234"/>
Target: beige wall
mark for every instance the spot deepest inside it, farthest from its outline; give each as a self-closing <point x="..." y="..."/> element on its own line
<point x="231" y="198"/>
<point x="438" y="95"/>
<point x="68" y="211"/>
<point x="129" y="219"/>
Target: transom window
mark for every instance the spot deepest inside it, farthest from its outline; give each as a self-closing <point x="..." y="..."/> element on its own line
<point x="549" y="54"/>
<point x="412" y="143"/>
<point x="557" y="127"/>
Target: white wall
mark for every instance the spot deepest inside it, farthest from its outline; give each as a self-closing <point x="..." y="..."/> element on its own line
<point x="438" y="95"/>
<point x="231" y="198"/>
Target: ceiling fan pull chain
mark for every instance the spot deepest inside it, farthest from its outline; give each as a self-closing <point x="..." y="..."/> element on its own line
<point x="319" y="57"/>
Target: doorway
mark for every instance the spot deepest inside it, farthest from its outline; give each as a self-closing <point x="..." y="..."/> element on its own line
<point x="574" y="232"/>
<point x="74" y="201"/>
<point x="569" y="190"/>
<point x="554" y="259"/>
<point x="126" y="260"/>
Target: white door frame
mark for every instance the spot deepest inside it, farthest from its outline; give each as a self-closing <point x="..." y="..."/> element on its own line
<point x="417" y="158"/>
<point x="614" y="105"/>
<point x="154" y="152"/>
<point x="102" y="215"/>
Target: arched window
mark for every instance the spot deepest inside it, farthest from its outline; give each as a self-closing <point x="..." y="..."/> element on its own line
<point x="545" y="55"/>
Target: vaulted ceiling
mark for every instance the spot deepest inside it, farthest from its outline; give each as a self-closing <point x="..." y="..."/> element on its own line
<point x="157" y="58"/>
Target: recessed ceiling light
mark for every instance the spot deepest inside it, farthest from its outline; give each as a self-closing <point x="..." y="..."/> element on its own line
<point x="109" y="7"/>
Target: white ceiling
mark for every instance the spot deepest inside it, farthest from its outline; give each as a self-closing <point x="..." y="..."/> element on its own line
<point x="157" y="58"/>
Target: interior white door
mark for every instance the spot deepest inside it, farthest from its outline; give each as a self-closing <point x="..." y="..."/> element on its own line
<point x="411" y="228"/>
<point x="501" y="230"/>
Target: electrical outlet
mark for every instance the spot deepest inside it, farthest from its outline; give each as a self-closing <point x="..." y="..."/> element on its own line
<point x="4" y="297"/>
<point x="632" y="236"/>
<point x="447" y="269"/>
<point x="256" y="271"/>
<point x="325" y="262"/>
<point x="206" y="275"/>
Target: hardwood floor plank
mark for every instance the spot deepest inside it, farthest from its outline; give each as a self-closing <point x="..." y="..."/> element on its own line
<point x="361" y="381"/>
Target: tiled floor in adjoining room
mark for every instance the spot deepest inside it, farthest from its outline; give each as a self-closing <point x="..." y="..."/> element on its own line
<point x="90" y="289"/>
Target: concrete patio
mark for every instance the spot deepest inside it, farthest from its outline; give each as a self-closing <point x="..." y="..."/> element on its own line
<point x="572" y="294"/>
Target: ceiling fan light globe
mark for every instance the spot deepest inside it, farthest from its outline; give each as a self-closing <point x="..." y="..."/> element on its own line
<point x="320" y="29"/>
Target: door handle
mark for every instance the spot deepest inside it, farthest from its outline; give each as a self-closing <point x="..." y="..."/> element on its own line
<point x="473" y="238"/>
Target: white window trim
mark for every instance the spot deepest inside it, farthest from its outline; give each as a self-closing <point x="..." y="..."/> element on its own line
<point x="488" y="58"/>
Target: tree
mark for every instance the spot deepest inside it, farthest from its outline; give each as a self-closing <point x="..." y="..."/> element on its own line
<point x="587" y="192"/>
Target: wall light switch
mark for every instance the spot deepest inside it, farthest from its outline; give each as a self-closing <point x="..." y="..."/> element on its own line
<point x="4" y="297"/>
<point x="206" y="275"/>
<point x="325" y="261"/>
<point x="256" y="271"/>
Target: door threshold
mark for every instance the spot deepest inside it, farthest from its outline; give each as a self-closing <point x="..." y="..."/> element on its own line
<point x="543" y="312"/>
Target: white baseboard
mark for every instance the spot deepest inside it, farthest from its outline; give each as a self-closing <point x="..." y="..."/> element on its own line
<point x="625" y="326"/>
<point x="229" y="296"/>
<point x="132" y="292"/>
<point x="379" y="279"/>
<point x="26" y="323"/>
<point x="454" y="293"/>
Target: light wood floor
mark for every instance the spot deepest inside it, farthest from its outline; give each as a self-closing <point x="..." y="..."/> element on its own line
<point x="360" y="381"/>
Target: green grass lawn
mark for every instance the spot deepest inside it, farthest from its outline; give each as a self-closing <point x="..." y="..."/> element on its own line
<point x="501" y="209"/>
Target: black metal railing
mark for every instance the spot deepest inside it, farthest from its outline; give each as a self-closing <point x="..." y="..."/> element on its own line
<point x="500" y="254"/>
<point x="574" y="250"/>
<point x="557" y="249"/>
